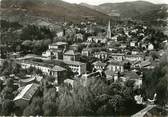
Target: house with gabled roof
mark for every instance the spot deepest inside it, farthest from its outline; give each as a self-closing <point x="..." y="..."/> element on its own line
<point x="47" y="68"/>
<point x="116" y="66"/>
<point x="98" y="65"/>
<point x="133" y="76"/>
<point x="71" y="55"/>
<point x="26" y="95"/>
<point x="102" y="55"/>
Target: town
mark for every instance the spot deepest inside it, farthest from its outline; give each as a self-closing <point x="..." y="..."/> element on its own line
<point x="83" y="68"/>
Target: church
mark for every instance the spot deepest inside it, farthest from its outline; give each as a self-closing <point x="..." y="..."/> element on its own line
<point x="108" y="36"/>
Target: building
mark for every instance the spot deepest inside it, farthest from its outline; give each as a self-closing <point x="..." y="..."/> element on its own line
<point x="53" y="54"/>
<point x="96" y="39"/>
<point x="1" y="61"/>
<point x="74" y="47"/>
<point x="115" y="38"/>
<point x="30" y="79"/>
<point x="90" y="39"/>
<point x="116" y="66"/>
<point x="58" y="45"/>
<point x="55" y="50"/>
<point x="47" y="53"/>
<point x="117" y="56"/>
<point x="59" y="73"/>
<point x="132" y="58"/>
<point x="77" y="68"/>
<point x="79" y="37"/>
<point x="111" y="76"/>
<point x="102" y="55"/>
<point x="87" y="52"/>
<point x="60" y="33"/>
<point x="98" y="65"/>
<point x="109" y="31"/>
<point x="150" y="47"/>
<point x="23" y="99"/>
<point x="133" y="43"/>
<point x="71" y="55"/>
<point x="48" y="69"/>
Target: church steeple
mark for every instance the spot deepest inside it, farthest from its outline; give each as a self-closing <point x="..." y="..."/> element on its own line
<point x="109" y="31"/>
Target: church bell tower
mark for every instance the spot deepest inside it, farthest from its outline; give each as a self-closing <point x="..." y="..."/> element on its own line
<point x="109" y="31"/>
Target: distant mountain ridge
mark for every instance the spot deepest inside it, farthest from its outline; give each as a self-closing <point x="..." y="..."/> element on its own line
<point x="30" y="10"/>
<point x="137" y="9"/>
<point x="55" y="9"/>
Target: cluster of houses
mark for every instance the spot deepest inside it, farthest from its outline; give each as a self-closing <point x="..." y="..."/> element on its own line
<point x="116" y="60"/>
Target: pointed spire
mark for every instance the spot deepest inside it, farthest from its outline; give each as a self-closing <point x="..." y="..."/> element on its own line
<point x="109" y="31"/>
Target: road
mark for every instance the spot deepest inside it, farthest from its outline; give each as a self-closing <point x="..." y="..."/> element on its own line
<point x="144" y="111"/>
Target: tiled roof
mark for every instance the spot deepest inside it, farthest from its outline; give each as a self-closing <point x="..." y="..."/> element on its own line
<point x="117" y="54"/>
<point x="71" y="52"/>
<point x="59" y="43"/>
<point x="58" y="68"/>
<point x="38" y="63"/>
<point x="28" y="80"/>
<point x="99" y="63"/>
<point x="73" y="62"/>
<point x="27" y="92"/>
<point x="113" y="62"/>
<point x="145" y="63"/>
<point x="132" y="75"/>
<point x="101" y="52"/>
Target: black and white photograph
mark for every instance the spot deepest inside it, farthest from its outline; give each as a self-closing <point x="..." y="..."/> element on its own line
<point x="84" y="58"/>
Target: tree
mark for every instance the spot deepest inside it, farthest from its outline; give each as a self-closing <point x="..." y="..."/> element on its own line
<point x="1" y="85"/>
<point x="5" y="68"/>
<point x="156" y="81"/>
<point x="9" y="83"/>
<point x="50" y="95"/>
<point x="7" y="107"/>
<point x="49" y="109"/>
<point x="74" y="103"/>
<point x="35" y="108"/>
<point x="162" y="91"/>
<point x="7" y="93"/>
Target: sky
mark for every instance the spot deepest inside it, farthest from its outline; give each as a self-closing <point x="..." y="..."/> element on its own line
<point x="97" y="2"/>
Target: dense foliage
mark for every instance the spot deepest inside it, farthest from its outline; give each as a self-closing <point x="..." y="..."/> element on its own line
<point x="156" y="81"/>
<point x="96" y="98"/>
<point x="26" y="39"/>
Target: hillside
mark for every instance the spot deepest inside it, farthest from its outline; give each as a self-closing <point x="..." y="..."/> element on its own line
<point x="29" y="10"/>
<point x="137" y="10"/>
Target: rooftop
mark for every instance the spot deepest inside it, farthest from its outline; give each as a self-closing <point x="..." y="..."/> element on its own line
<point x="113" y="62"/>
<point x="73" y="62"/>
<point x="58" y="68"/>
<point x="117" y="54"/>
<point x="132" y="75"/>
<point x="43" y="64"/>
<point x="59" y="43"/>
<point x="71" y="52"/>
<point x="145" y="63"/>
<point x="101" y="52"/>
<point x="27" y="92"/>
<point x="99" y="63"/>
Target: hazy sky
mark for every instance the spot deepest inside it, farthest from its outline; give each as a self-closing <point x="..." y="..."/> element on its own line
<point x="96" y="2"/>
